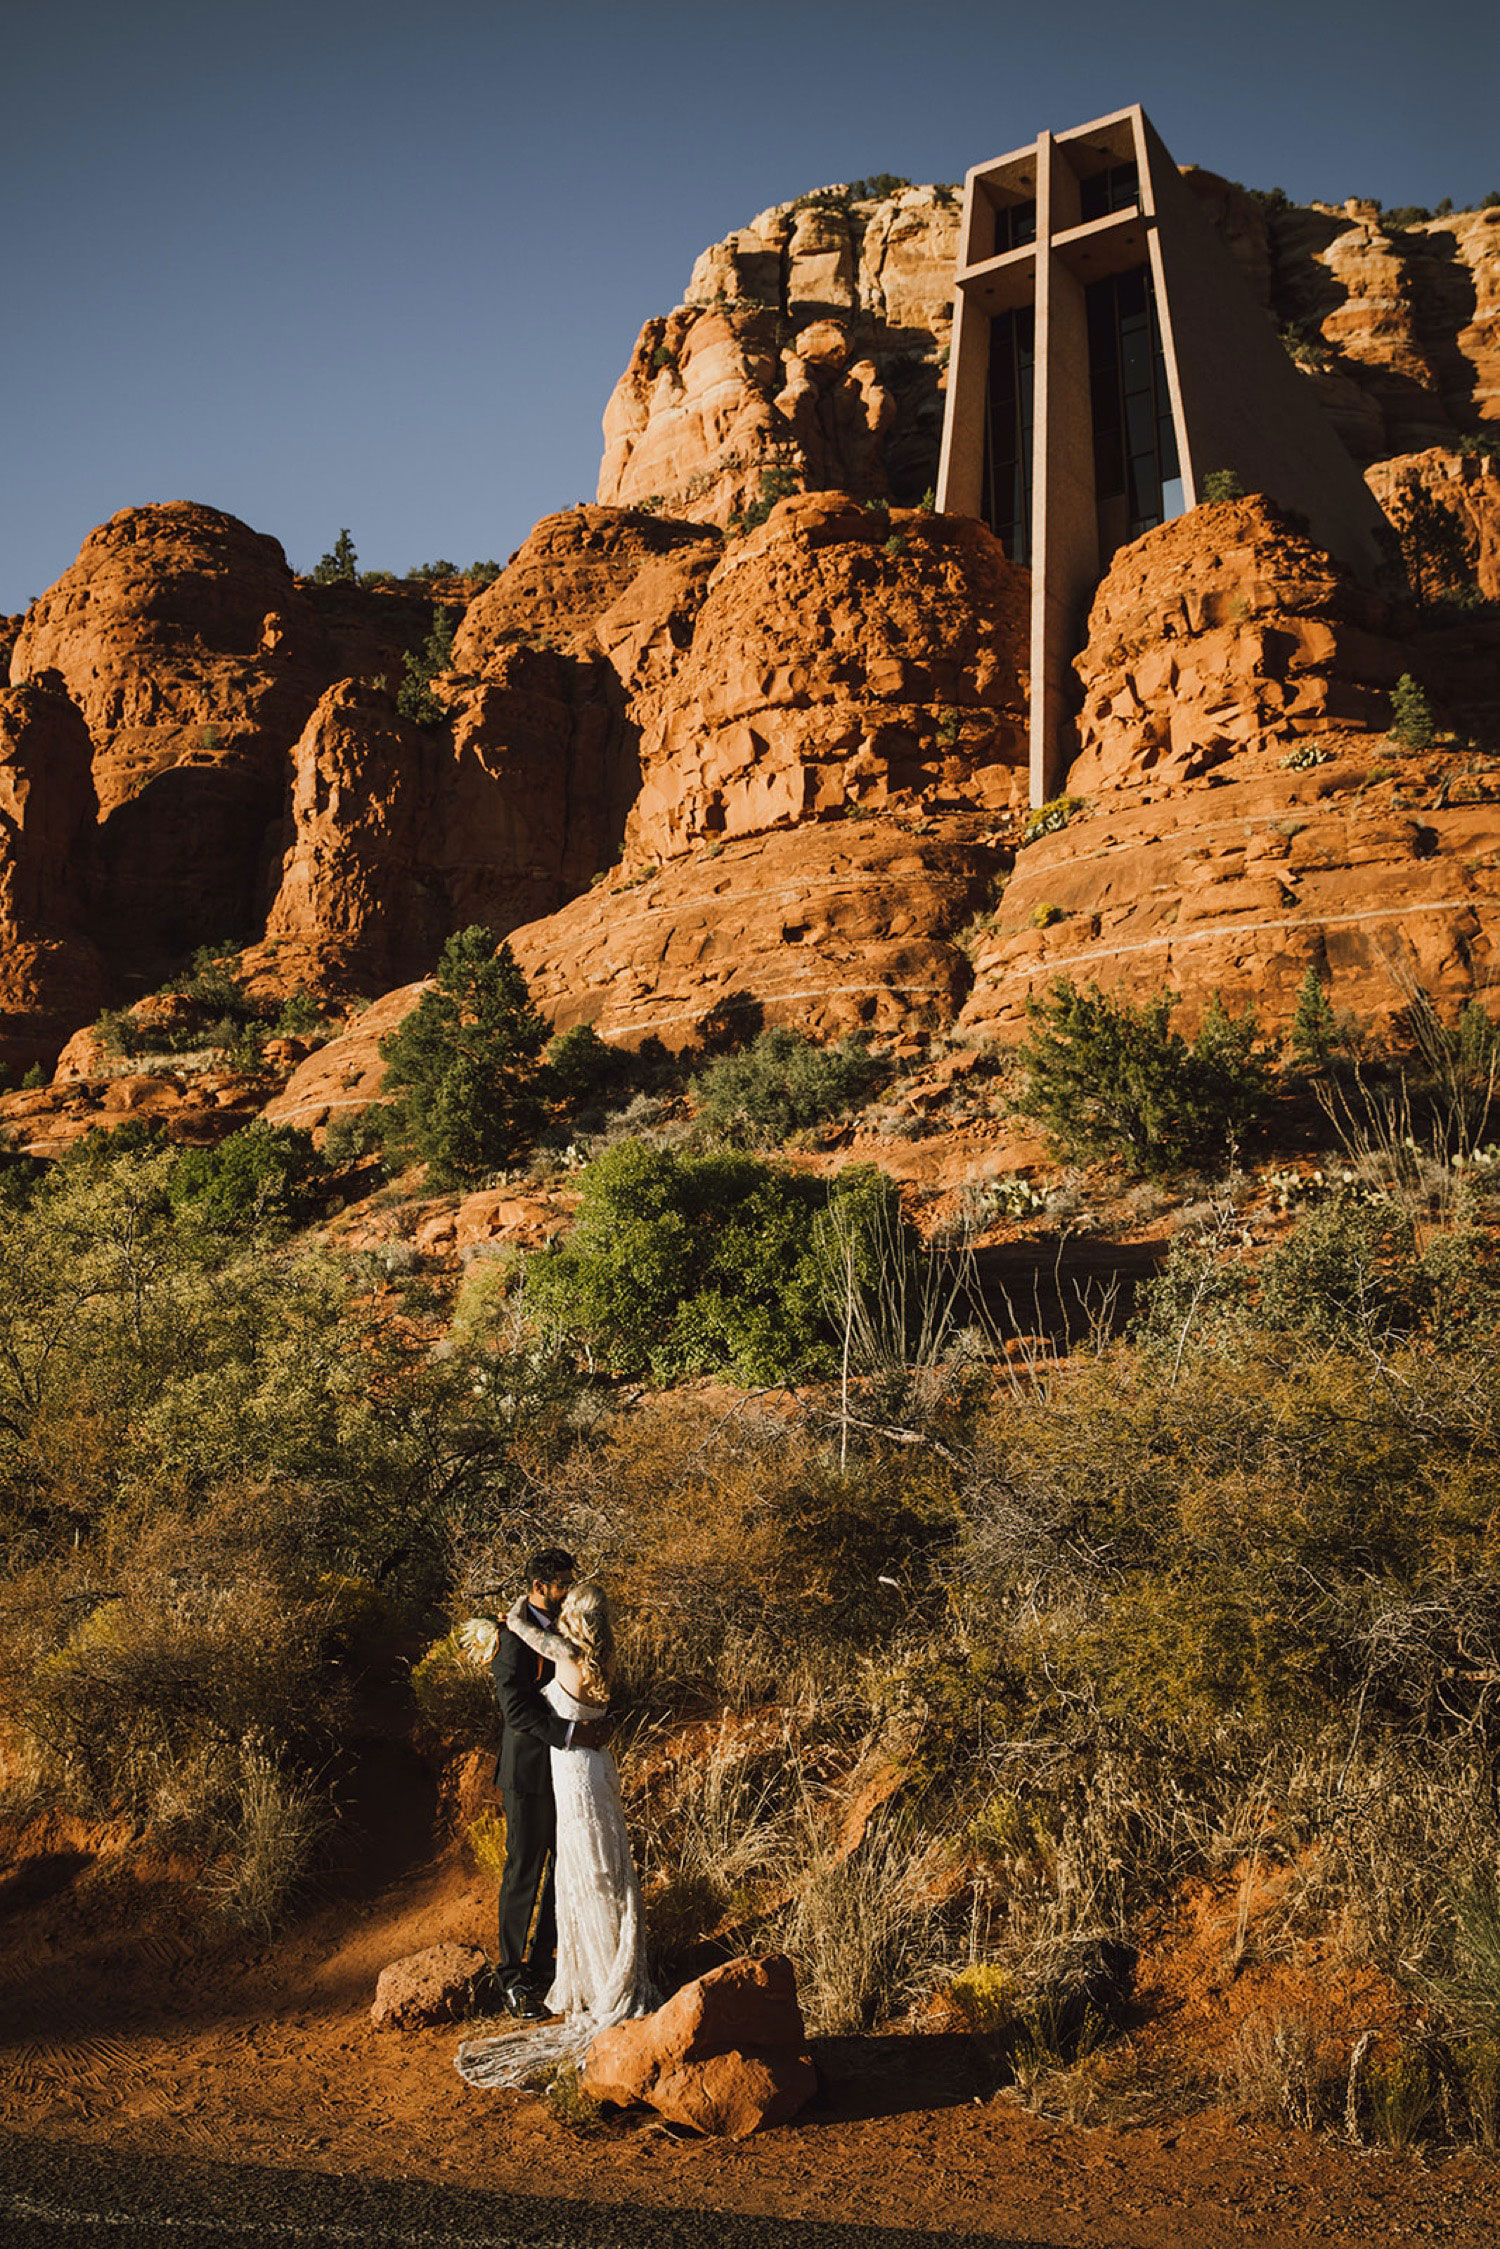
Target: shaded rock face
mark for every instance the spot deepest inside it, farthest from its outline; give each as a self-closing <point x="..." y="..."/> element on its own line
<point x="194" y="659"/>
<point x="1469" y="484"/>
<point x="724" y="2056"/>
<point x="815" y="337"/>
<point x="815" y="340"/>
<point x="401" y="834"/>
<point x="1241" y="814"/>
<point x="1409" y="320"/>
<point x="842" y="659"/>
<point x="51" y="976"/>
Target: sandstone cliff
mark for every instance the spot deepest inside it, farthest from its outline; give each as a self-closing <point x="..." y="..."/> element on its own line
<point x="51" y="975"/>
<point x="194" y="659"/>
<point x="400" y="834"/>
<point x="814" y="341"/>
<point x="1237" y="810"/>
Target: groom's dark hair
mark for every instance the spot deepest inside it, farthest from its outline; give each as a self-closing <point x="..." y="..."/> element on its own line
<point x="548" y="1564"/>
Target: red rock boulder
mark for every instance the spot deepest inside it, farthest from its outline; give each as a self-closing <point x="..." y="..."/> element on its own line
<point x="726" y="2055"/>
<point x="440" y="1985"/>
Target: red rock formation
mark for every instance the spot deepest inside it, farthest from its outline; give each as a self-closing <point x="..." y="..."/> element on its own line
<point x="835" y="928"/>
<point x="813" y="340"/>
<point x="1468" y="483"/>
<point x="51" y="976"/>
<point x="1241" y="814"/>
<point x="842" y="659"/>
<point x="1224" y="630"/>
<point x="814" y="337"/>
<point x="194" y="658"/>
<point x="402" y="834"/>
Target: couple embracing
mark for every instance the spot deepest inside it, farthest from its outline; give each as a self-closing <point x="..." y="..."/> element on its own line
<point x="569" y="1876"/>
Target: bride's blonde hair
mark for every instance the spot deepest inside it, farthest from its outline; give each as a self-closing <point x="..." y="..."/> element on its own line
<point x="586" y="1620"/>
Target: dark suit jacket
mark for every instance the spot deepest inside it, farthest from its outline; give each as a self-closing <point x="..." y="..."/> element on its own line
<point x="532" y="1726"/>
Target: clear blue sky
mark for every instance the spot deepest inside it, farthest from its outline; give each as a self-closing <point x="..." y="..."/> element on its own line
<point x="327" y="262"/>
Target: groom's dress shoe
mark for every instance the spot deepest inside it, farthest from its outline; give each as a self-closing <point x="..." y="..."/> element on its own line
<point x="522" y="2005"/>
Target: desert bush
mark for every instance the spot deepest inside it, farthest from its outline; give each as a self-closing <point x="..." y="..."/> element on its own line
<point x="261" y="1177"/>
<point x="863" y="1930"/>
<point x="1412" y="722"/>
<point x="463" y="1069"/>
<point x="585" y="1069"/>
<point x="420" y="667"/>
<point x="355" y="1133"/>
<point x="698" y="1263"/>
<point x="781" y="1084"/>
<point x="1430" y="550"/>
<point x="741" y="1555"/>
<point x="340" y="566"/>
<point x="1106" y="1078"/>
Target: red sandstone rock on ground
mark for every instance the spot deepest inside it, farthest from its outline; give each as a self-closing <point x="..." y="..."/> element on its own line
<point x="195" y="658"/>
<point x="724" y="2056"/>
<point x="50" y="973"/>
<point x="833" y="927"/>
<point x="1469" y="484"/>
<point x="842" y="657"/>
<point x="1232" y="827"/>
<point x="439" y="1985"/>
<point x="815" y="337"/>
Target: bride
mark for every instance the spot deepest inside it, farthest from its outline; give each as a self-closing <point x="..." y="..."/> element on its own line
<point x="600" y="1978"/>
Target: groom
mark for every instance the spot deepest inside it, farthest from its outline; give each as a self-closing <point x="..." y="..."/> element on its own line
<point x="532" y="1731"/>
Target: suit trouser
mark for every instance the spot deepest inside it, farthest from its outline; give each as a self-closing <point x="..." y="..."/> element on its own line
<point x="526" y="1884"/>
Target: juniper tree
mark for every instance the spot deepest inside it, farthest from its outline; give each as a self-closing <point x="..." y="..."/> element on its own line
<point x="465" y="1066"/>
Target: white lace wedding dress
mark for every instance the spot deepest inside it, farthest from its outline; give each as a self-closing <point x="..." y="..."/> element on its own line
<point x="601" y="1978"/>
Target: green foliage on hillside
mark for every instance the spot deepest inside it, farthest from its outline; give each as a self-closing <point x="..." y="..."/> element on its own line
<point x="463" y="1069"/>
<point x="1107" y="1078"/>
<point x="414" y="697"/>
<point x="257" y="1179"/>
<point x="340" y="566"/>
<point x="683" y="1265"/>
<point x="782" y="1083"/>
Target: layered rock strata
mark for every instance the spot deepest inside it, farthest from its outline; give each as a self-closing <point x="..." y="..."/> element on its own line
<point x="401" y="834"/>
<point x="814" y="339"/>
<point x="1466" y="483"/>
<point x="1237" y="812"/>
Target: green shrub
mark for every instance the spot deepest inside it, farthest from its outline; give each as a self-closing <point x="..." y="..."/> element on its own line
<point x="776" y="483"/>
<point x="1429" y="548"/>
<point x="264" y="1175"/>
<point x="683" y="1265"/>
<point x="414" y="697"/>
<point x="355" y="1133"/>
<point x="781" y="1084"/>
<point x="1412" y="722"/>
<point x="464" y="1067"/>
<point x="1047" y="819"/>
<point x="341" y="567"/>
<point x="1109" y="1079"/>
<point x="1314" y="1025"/>
<point x="584" y="1068"/>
